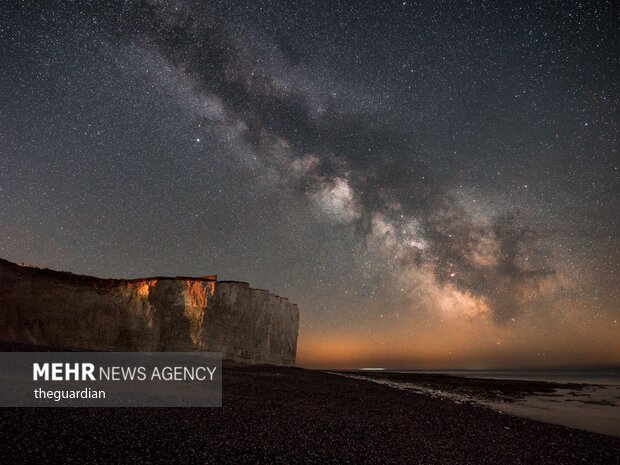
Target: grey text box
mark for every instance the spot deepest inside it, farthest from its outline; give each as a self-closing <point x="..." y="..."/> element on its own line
<point x="110" y="379"/>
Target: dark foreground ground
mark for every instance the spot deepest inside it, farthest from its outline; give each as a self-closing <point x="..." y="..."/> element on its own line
<point x="289" y="415"/>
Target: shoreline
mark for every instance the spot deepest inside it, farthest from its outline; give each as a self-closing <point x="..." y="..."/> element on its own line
<point x="586" y="406"/>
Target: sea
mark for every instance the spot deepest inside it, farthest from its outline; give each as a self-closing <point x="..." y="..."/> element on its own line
<point x="601" y="376"/>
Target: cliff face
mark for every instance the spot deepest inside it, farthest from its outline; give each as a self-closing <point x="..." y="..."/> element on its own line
<point x="153" y="314"/>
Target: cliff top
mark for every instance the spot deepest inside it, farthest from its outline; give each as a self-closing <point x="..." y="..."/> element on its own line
<point x="86" y="279"/>
<point x="67" y="276"/>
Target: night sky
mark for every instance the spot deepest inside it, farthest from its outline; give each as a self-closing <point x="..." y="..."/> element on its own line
<point x="436" y="184"/>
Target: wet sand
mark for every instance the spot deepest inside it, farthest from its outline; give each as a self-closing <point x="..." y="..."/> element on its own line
<point x="592" y="408"/>
<point x="288" y="415"/>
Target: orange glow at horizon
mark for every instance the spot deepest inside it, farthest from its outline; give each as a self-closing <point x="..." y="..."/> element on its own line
<point x="478" y="343"/>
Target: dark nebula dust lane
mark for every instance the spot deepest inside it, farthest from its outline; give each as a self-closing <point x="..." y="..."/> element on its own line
<point x="434" y="184"/>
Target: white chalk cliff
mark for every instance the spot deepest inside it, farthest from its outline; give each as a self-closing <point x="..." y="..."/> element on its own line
<point x="58" y="309"/>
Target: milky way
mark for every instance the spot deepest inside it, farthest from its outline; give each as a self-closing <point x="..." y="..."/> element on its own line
<point x="432" y="183"/>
